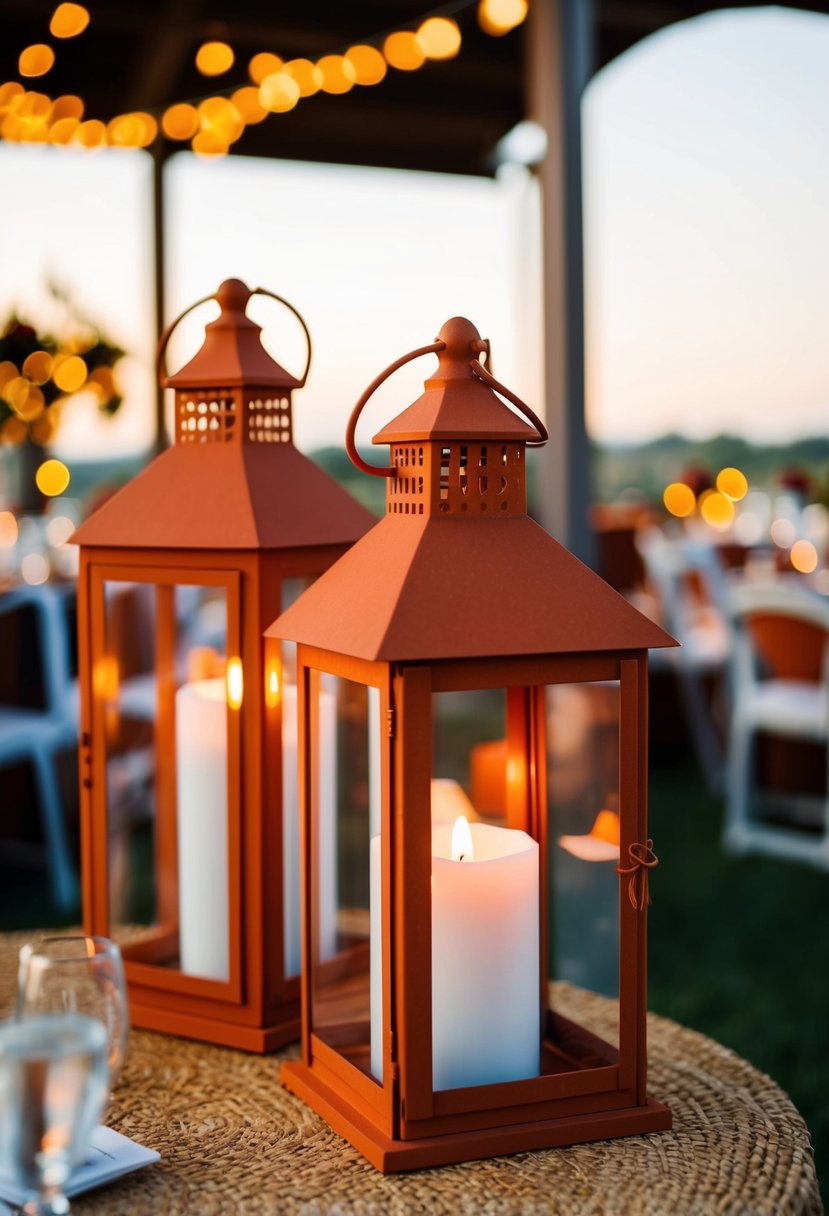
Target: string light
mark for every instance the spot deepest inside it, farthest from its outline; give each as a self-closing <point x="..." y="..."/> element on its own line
<point x="277" y="86"/>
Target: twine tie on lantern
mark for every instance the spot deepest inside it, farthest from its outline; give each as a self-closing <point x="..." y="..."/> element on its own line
<point x="642" y="858"/>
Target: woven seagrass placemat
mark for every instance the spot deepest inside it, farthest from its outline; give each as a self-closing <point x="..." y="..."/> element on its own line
<point x="233" y="1141"/>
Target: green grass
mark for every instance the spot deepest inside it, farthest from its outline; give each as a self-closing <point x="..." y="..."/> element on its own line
<point x="739" y="948"/>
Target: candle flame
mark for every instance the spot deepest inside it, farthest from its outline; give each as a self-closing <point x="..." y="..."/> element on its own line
<point x="272" y="688"/>
<point x="462" y="849"/>
<point x="235" y="683"/>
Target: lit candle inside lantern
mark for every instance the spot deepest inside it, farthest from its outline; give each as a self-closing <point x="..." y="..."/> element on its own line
<point x="327" y="828"/>
<point x="486" y="1017"/>
<point x="201" y="782"/>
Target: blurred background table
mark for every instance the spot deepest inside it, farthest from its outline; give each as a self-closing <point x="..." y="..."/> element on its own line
<point x="233" y="1140"/>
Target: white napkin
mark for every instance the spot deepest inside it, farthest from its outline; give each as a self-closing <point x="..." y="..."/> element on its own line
<point x="110" y="1156"/>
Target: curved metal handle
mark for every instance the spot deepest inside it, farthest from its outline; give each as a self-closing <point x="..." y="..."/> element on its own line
<point x="263" y="291"/>
<point x="351" y="429"/>
<point x="487" y="378"/>
<point x="160" y="370"/>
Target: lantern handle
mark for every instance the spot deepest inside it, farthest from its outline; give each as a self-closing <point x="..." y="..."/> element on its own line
<point x="161" y="373"/>
<point x="351" y="429"/>
<point x="486" y="377"/>
<point x="160" y="370"/>
<point x="263" y="291"/>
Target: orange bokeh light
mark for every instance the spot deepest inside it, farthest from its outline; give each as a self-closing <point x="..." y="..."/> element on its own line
<point x="214" y="58"/>
<point x="36" y="60"/>
<point x="679" y="499"/>
<point x="68" y="20"/>
<point x="402" y="51"/>
<point x="368" y="64"/>
<point x="804" y="556"/>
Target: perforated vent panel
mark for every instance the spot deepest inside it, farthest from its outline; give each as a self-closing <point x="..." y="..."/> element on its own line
<point x="207" y="419"/>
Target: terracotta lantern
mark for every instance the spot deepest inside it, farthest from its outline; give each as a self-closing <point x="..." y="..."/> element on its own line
<point x="188" y="718"/>
<point x="430" y="1030"/>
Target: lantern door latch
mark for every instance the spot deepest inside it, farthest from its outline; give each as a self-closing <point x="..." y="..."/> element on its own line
<point x="390" y="723"/>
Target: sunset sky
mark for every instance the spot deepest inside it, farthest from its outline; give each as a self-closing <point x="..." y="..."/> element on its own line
<point x="706" y="244"/>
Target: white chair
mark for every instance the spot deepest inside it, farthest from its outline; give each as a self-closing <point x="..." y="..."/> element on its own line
<point x="36" y="735"/>
<point x="782" y="701"/>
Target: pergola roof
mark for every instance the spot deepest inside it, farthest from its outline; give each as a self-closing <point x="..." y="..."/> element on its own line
<point x="445" y="117"/>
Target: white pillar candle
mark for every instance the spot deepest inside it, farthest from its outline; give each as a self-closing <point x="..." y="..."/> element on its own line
<point x="486" y="1009"/>
<point x="327" y="832"/>
<point x="201" y="784"/>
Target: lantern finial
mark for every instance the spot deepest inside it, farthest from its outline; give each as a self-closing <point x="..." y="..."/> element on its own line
<point x="462" y="344"/>
<point x="233" y="295"/>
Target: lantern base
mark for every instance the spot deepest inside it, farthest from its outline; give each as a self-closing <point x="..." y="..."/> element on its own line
<point x="394" y="1156"/>
<point x="210" y="1030"/>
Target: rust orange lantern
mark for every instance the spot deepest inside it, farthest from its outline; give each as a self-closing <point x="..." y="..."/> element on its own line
<point x="188" y="800"/>
<point x="430" y="1031"/>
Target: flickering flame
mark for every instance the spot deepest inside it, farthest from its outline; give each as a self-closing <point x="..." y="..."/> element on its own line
<point x="272" y="688"/>
<point x="462" y="849"/>
<point x="235" y="683"/>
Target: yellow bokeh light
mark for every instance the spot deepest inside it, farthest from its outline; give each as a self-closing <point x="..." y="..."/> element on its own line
<point x="8" y="91"/>
<point x="67" y="106"/>
<point x="63" y="131"/>
<point x="214" y="58"/>
<point x="134" y="130"/>
<point x="439" y="38"/>
<point x="8" y="530"/>
<point x="70" y="374"/>
<point x="262" y="65"/>
<point x="31" y="105"/>
<point x="14" y="431"/>
<point x="16" y="391"/>
<point x="8" y="371"/>
<point x="716" y="509"/>
<point x="209" y="143"/>
<point x="804" y="556"/>
<point x="36" y="60"/>
<point x="338" y="75"/>
<point x="679" y="499"/>
<point x="38" y="366"/>
<point x="219" y="116"/>
<point x="52" y="478"/>
<point x="497" y="17"/>
<point x="732" y="483"/>
<point x="306" y="74"/>
<point x="402" y="51"/>
<point x="368" y="64"/>
<point x="102" y="383"/>
<point x="279" y="93"/>
<point x="35" y="569"/>
<point x="32" y="406"/>
<point x="235" y="683"/>
<point x="246" y="101"/>
<point x="180" y="121"/>
<point x="68" y="20"/>
<point x="91" y="134"/>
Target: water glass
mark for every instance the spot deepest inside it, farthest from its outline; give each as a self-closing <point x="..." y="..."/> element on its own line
<point x="53" y="1088"/>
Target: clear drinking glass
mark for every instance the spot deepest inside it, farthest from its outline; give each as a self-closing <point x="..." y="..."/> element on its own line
<point x="53" y="1088"/>
<point x="83" y="975"/>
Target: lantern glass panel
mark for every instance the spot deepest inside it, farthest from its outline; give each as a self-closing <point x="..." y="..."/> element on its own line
<point x="582" y="735"/>
<point x="345" y="816"/>
<point x="281" y="688"/>
<point x="164" y="690"/>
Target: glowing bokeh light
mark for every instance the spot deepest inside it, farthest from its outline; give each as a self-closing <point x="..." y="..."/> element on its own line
<point x="716" y="509"/>
<point x="91" y="134"/>
<point x="220" y="116"/>
<point x="58" y="530"/>
<point x="8" y="371"/>
<point x="63" y="131"/>
<point x="262" y="65"/>
<point x="279" y="93"/>
<point x="15" y="391"/>
<point x="52" y="478"/>
<point x="68" y="20"/>
<point x="246" y="101"/>
<point x="67" y="106"/>
<point x="804" y="556"/>
<point x="368" y="64"/>
<point x="748" y="528"/>
<point x="209" y="143"/>
<point x="135" y="130"/>
<point x="9" y="530"/>
<point x="35" y="569"/>
<point x="402" y="51"/>
<point x="497" y="17"/>
<point x="214" y="58"/>
<point x="70" y="374"/>
<point x="307" y="75"/>
<point x="36" y="60"/>
<point x="180" y="121"/>
<point x="679" y="499"/>
<point x="235" y="683"/>
<point x="14" y="431"/>
<point x="10" y="90"/>
<point x="38" y="366"/>
<point x="32" y="405"/>
<point x="732" y="483"/>
<point x="783" y="533"/>
<point x="439" y="38"/>
<point x="338" y="76"/>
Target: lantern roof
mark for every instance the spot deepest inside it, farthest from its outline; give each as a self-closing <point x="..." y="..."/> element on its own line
<point x="456" y="403"/>
<point x="232" y="353"/>
<point x="228" y="496"/>
<point x="433" y="587"/>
